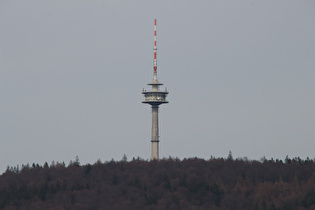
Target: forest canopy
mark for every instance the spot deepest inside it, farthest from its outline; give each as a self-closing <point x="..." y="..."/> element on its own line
<point x="171" y="183"/>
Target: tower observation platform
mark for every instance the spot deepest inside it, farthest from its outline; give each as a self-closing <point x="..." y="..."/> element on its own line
<point x="155" y="97"/>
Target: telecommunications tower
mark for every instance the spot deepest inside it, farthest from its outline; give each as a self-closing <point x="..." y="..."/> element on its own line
<point x="155" y="97"/>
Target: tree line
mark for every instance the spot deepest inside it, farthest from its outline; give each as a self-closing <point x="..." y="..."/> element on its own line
<point x="193" y="183"/>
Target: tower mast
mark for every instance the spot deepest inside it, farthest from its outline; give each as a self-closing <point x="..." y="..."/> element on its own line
<point x="155" y="97"/>
<point x="154" y="52"/>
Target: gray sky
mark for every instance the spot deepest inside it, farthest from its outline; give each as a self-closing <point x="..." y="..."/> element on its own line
<point x="240" y="76"/>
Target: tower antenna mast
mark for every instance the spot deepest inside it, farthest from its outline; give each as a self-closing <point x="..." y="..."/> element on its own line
<point x="155" y="97"/>
<point x="154" y="52"/>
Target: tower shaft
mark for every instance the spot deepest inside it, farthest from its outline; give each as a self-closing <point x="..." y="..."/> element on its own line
<point x="155" y="133"/>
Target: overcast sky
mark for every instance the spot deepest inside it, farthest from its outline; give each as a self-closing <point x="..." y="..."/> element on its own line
<point x="240" y="76"/>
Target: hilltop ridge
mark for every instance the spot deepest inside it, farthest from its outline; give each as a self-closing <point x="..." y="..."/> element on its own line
<point x="165" y="184"/>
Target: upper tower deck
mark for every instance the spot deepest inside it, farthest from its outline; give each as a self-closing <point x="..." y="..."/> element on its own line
<point x="155" y="96"/>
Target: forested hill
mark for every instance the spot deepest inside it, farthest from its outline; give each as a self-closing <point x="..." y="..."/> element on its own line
<point x="165" y="184"/>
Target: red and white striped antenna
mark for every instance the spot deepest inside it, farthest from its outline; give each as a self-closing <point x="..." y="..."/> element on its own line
<point x="154" y="50"/>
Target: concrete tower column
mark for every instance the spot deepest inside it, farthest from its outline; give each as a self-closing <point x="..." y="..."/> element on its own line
<point x="155" y="132"/>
